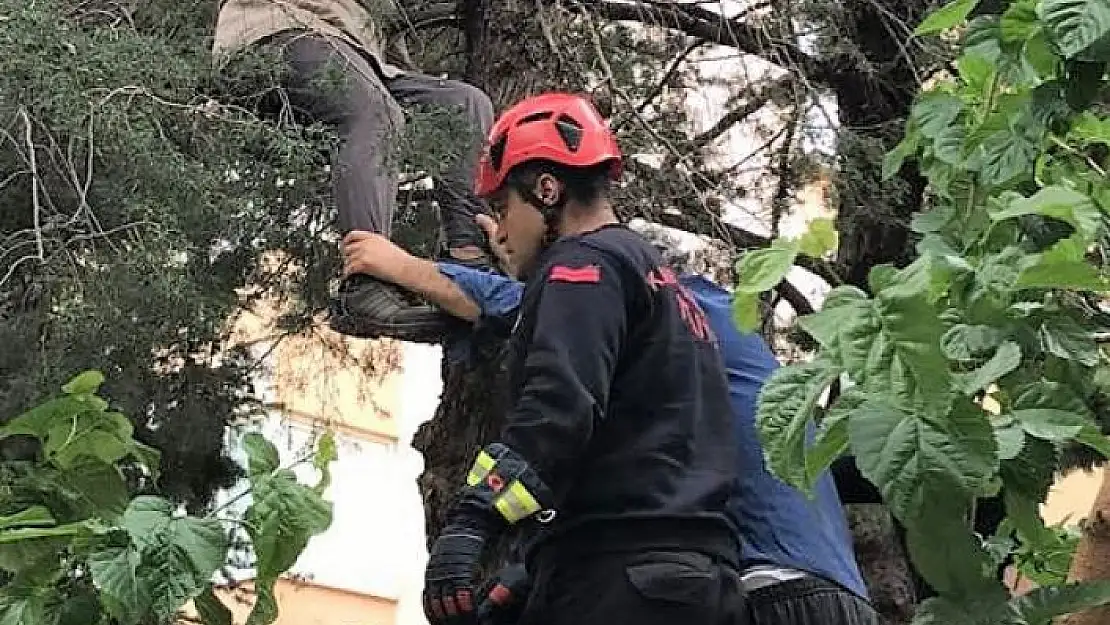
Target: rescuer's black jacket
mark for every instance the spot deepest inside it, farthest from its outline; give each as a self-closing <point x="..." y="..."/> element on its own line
<point x="620" y="401"/>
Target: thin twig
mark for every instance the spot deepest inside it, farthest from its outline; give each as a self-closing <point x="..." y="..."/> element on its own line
<point x="33" y="164"/>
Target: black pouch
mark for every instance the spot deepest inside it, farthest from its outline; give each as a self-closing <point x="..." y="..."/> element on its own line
<point x="685" y="578"/>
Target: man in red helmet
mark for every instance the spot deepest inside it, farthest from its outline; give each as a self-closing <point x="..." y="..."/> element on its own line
<point x="618" y="453"/>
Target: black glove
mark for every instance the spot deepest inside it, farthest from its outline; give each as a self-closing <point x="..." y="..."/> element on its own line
<point x="449" y="595"/>
<point x="504" y="596"/>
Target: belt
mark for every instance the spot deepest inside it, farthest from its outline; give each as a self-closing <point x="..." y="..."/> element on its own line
<point x="762" y="576"/>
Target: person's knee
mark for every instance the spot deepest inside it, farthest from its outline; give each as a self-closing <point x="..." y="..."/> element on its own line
<point x="474" y="101"/>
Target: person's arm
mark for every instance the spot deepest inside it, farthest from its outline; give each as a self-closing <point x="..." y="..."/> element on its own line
<point x="579" y="322"/>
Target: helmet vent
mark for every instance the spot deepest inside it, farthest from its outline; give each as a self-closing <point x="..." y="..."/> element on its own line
<point x="497" y="152"/>
<point x="535" y="117"/>
<point x="570" y="131"/>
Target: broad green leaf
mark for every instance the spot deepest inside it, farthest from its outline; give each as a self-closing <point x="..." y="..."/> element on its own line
<point x="41" y="419"/>
<point x="326" y="453"/>
<point x="745" y="310"/>
<point x="1061" y="426"/>
<point x="932" y="220"/>
<point x="85" y="383"/>
<point x="1060" y="203"/>
<point x="35" y="516"/>
<point x="1064" y="338"/>
<point x="115" y="573"/>
<point x="28" y="606"/>
<point x="1008" y="154"/>
<point x="1040" y="605"/>
<point x="831" y="438"/>
<point x="966" y="342"/>
<point x="1070" y="275"/>
<point x="951" y="14"/>
<point x="211" y="610"/>
<point x="906" y="454"/>
<point x="1010" y="440"/>
<point x="943" y="548"/>
<point x="1088" y="128"/>
<point x="1076" y="25"/>
<point x="761" y="270"/>
<point x="819" y="239"/>
<point x="1005" y="360"/>
<point x="1019" y="21"/>
<point x="281" y="519"/>
<point x="901" y="353"/>
<point x="80" y="528"/>
<point x="988" y="609"/>
<point x="935" y="111"/>
<point x="843" y="306"/>
<point x="262" y="456"/>
<point x="786" y="406"/>
<point x="893" y="160"/>
<point x="178" y="554"/>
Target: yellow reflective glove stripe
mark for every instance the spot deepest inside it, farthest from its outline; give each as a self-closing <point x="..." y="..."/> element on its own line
<point x="515" y="503"/>
<point x="483" y="464"/>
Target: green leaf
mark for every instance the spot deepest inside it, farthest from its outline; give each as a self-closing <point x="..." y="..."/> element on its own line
<point x="1009" y="153"/>
<point x="1062" y="425"/>
<point x="1088" y="128"/>
<point x="951" y="14"/>
<point x="281" y="519"/>
<point x="786" y="406"/>
<point x="843" y="305"/>
<point x="1005" y="360"/>
<point x="935" y="111"/>
<point x="326" y="453"/>
<point x="896" y="157"/>
<point x="987" y="609"/>
<point x="85" y="383"/>
<point x="1069" y="275"/>
<point x="1064" y="338"/>
<point x="745" y="310"/>
<point x="820" y="238"/>
<point x="35" y="516"/>
<point x="178" y="554"/>
<point x="115" y="573"/>
<point x="1040" y="605"/>
<point x="1060" y="203"/>
<point x="211" y="610"/>
<point x="262" y="456"/>
<point x="761" y="270"/>
<point x="28" y="606"/>
<point x="943" y="548"/>
<point x="1019" y="21"/>
<point x="1010" y="440"/>
<point x="80" y="528"/>
<point x="906" y="454"/>
<point x="1076" y="25"/>
<point x="967" y="342"/>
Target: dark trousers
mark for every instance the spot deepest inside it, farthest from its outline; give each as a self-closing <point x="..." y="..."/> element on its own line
<point x="331" y="82"/>
<point x="636" y="588"/>
<point x="809" y="601"/>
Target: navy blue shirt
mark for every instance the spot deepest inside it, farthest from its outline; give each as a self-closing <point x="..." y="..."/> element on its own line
<point x="778" y="524"/>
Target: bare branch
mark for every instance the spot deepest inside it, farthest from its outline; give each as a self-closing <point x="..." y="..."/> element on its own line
<point x="32" y="163"/>
<point x="738" y="114"/>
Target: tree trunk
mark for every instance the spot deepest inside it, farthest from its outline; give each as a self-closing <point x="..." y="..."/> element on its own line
<point x="1092" y="557"/>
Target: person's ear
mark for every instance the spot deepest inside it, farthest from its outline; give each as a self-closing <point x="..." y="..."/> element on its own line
<point x="548" y="189"/>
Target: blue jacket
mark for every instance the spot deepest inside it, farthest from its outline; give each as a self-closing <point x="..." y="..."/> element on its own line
<point x="779" y="525"/>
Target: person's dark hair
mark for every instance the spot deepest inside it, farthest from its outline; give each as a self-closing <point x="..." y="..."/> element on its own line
<point x="584" y="185"/>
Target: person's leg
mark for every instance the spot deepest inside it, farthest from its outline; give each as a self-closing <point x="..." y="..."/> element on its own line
<point x="331" y="82"/>
<point x="809" y="601"/>
<point x="464" y="241"/>
<point x="648" y="588"/>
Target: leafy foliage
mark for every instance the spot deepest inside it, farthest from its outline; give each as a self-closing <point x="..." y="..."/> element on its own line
<point x="76" y="547"/>
<point x="973" y="365"/>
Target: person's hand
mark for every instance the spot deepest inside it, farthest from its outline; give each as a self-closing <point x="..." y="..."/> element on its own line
<point x="449" y="595"/>
<point x="504" y="596"/>
<point x="496" y="242"/>
<point x="374" y="255"/>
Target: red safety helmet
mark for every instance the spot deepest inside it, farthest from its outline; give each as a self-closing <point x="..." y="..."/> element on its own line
<point x="557" y="127"/>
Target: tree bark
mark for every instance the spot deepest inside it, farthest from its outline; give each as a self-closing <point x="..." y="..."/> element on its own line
<point x="1092" y="557"/>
